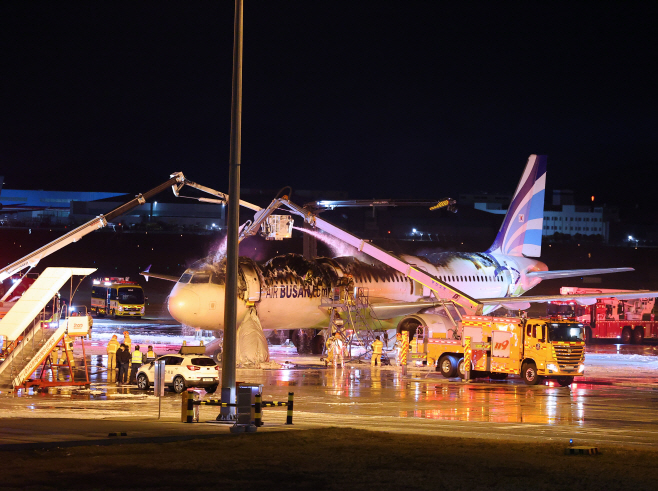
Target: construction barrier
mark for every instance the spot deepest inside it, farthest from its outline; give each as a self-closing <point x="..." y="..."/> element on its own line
<point x="188" y="404"/>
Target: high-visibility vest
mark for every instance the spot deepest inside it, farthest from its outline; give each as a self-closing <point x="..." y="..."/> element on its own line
<point x="377" y="347"/>
<point x="137" y="357"/>
<point x="150" y="355"/>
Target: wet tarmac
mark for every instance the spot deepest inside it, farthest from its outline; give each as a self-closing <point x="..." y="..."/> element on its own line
<point x="618" y="405"/>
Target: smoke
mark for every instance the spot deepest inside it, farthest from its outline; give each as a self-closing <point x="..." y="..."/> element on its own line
<point x="220" y="253"/>
<point x="337" y="246"/>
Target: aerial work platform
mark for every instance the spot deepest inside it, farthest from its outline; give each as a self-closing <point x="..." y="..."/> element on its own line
<point x="32" y="333"/>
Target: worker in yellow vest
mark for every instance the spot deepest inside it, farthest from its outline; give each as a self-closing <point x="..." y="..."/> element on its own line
<point x="136" y="360"/>
<point x="377" y="346"/>
<point x="112" y="347"/>
<point x="150" y="355"/>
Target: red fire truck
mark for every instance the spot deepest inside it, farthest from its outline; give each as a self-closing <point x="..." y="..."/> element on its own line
<point x="631" y="320"/>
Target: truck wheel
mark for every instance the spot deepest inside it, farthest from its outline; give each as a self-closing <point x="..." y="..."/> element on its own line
<point x="447" y="366"/>
<point x="564" y="381"/>
<point x="529" y="373"/>
<point x="638" y="335"/>
<point x="626" y="335"/>
<point x="461" y="368"/>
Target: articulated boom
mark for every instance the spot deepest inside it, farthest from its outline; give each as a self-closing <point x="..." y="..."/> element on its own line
<point x="441" y="290"/>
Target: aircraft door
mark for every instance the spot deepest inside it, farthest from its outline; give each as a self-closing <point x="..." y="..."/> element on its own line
<point x="252" y="279"/>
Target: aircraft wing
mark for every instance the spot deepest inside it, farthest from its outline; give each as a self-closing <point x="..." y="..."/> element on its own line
<point x="570" y="273"/>
<point x="582" y="298"/>
<point x="167" y="277"/>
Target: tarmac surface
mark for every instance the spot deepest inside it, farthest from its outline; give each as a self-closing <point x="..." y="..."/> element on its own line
<point x="613" y="405"/>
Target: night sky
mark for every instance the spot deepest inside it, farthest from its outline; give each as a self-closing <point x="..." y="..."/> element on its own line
<point x="382" y="99"/>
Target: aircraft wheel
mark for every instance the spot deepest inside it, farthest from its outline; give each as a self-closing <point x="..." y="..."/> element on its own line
<point x="317" y="344"/>
<point x="638" y="335"/>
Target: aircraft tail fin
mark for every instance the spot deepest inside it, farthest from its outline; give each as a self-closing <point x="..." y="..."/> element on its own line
<point x="521" y="231"/>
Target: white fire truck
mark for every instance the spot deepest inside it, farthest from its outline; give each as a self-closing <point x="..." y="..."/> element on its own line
<point x="631" y="320"/>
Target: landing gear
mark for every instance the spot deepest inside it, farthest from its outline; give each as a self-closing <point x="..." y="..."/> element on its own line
<point x="301" y="341"/>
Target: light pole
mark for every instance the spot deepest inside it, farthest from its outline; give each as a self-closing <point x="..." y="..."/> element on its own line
<point x="231" y="291"/>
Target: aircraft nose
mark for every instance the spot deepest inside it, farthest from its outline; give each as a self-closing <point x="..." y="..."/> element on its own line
<point x="183" y="305"/>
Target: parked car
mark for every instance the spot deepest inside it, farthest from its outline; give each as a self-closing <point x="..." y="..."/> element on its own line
<point x="181" y="372"/>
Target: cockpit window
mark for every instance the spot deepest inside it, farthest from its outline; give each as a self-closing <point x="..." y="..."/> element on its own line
<point x="185" y="278"/>
<point x="200" y="278"/>
<point x="217" y="279"/>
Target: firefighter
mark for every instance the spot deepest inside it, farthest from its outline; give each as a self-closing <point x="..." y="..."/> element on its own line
<point x="126" y="340"/>
<point x="68" y="345"/>
<point x="338" y="350"/>
<point x="330" y="351"/>
<point x="376" y="353"/>
<point x="136" y="363"/>
<point x="397" y="347"/>
<point x="91" y="324"/>
<point x="112" y="347"/>
<point x="150" y="355"/>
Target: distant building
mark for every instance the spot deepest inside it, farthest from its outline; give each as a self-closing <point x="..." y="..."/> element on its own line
<point x="38" y="207"/>
<point x="562" y="216"/>
<point x="573" y="220"/>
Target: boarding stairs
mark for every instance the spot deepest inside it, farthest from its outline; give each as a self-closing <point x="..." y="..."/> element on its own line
<point x="354" y="305"/>
<point x="32" y="333"/>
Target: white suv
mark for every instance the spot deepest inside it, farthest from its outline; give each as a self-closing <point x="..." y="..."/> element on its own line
<point x="181" y="372"/>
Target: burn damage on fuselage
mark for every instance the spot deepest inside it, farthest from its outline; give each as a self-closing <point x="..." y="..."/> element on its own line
<point x="478" y="259"/>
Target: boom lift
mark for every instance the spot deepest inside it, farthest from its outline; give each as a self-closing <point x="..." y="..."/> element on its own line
<point x="263" y="219"/>
<point x="32" y="259"/>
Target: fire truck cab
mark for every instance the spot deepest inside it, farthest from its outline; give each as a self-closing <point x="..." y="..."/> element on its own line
<point x="118" y="297"/>
<point x="533" y="348"/>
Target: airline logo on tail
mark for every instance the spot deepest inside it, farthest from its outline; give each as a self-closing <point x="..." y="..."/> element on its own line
<point x="521" y="231"/>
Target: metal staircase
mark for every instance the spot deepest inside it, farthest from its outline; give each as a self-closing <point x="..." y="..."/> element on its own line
<point x="354" y="305"/>
<point x="33" y="333"/>
<point x="29" y="352"/>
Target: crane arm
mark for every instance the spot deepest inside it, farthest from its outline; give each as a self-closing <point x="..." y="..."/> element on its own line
<point x="76" y="234"/>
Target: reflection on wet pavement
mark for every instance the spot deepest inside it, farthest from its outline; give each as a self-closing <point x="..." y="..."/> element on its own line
<point x="360" y="393"/>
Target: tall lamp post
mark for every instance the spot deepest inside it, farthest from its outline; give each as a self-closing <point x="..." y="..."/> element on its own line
<point x="231" y="291"/>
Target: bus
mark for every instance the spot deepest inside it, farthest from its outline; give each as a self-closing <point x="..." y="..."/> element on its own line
<point x="118" y="297"/>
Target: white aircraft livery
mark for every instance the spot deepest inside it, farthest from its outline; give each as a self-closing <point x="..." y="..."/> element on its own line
<point x="287" y="291"/>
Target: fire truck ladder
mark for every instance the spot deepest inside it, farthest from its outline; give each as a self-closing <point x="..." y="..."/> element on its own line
<point x="34" y="334"/>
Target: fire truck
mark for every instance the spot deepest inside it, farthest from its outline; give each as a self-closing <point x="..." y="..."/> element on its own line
<point x="534" y="348"/>
<point x="118" y="297"/>
<point x="630" y="320"/>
